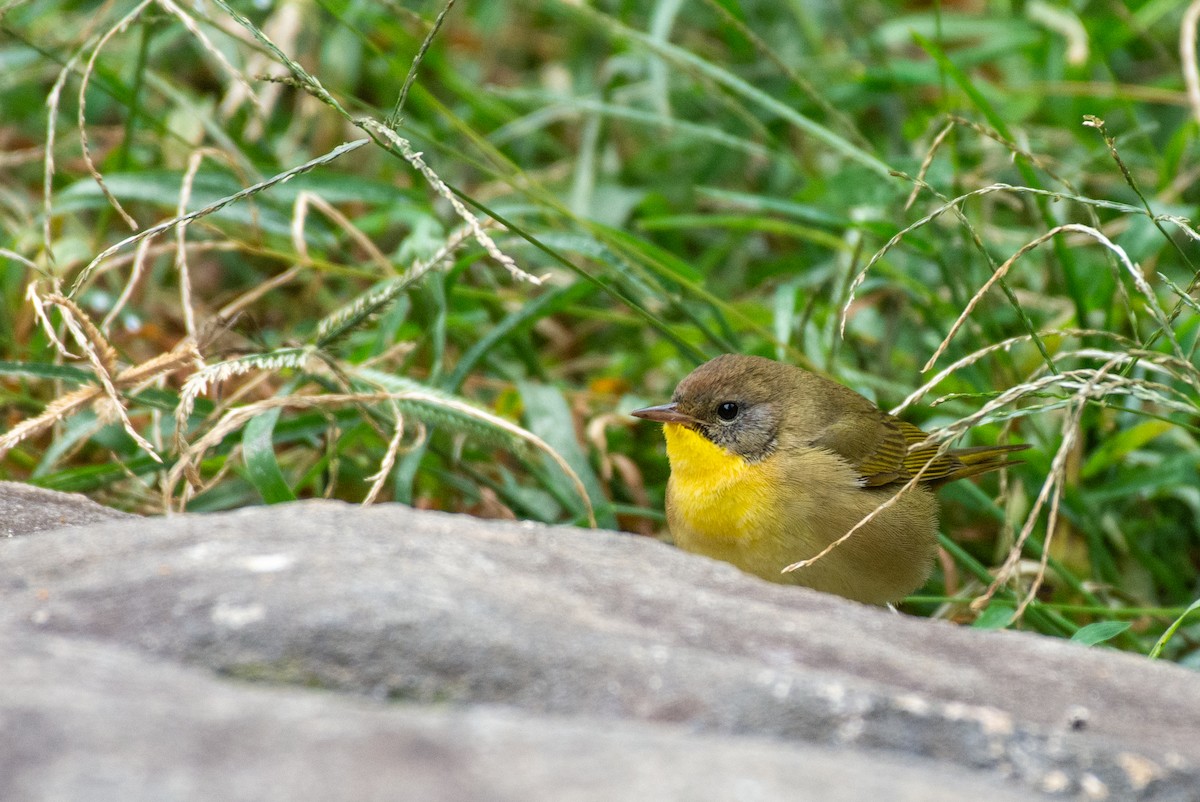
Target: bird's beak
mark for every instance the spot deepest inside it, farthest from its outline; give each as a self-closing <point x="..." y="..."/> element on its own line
<point x="665" y="413"/>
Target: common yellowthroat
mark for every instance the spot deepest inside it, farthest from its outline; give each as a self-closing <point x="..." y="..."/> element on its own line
<point x="770" y="464"/>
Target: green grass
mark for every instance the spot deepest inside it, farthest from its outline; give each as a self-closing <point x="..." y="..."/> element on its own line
<point x="877" y="191"/>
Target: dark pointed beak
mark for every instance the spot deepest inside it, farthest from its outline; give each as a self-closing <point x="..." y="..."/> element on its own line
<point x="665" y="413"/>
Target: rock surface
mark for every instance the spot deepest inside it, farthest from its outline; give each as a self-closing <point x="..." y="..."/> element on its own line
<point x="485" y="660"/>
<point x="97" y="722"/>
<point x="25" y="509"/>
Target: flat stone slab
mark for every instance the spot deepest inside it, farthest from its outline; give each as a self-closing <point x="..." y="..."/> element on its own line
<point x="450" y="616"/>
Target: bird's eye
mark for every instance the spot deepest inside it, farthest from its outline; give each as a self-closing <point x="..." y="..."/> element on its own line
<point x="727" y="411"/>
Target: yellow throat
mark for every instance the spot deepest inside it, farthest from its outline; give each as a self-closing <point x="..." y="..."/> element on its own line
<point x="715" y="495"/>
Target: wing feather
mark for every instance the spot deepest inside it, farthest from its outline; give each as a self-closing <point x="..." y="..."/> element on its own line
<point x="882" y="454"/>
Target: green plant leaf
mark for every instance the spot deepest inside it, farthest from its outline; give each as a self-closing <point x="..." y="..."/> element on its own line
<point x="1113" y="448"/>
<point x="44" y="370"/>
<point x="1170" y="633"/>
<point x="548" y="416"/>
<point x="1099" y="632"/>
<point x="997" y="615"/>
<point x="258" y="451"/>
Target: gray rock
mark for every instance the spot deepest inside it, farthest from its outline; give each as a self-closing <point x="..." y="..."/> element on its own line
<point x="25" y="509"/>
<point x="96" y="722"/>
<point x="428" y="609"/>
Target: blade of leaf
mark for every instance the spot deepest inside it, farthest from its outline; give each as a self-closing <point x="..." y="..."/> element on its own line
<point x="258" y="451"/>
<point x="546" y="304"/>
<point x="548" y="416"/>
<point x="997" y="615"/>
<point x="1099" y="632"/>
<point x="44" y="370"/>
<point x="1170" y="633"/>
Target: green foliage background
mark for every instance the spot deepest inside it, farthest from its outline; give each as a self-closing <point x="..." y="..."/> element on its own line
<point x="689" y="178"/>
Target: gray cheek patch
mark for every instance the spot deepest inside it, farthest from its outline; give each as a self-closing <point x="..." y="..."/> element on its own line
<point x="752" y="436"/>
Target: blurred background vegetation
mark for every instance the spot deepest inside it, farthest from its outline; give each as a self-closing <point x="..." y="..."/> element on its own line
<point x="833" y="184"/>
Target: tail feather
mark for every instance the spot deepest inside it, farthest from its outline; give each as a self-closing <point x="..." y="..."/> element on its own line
<point x="981" y="459"/>
<point x="973" y="456"/>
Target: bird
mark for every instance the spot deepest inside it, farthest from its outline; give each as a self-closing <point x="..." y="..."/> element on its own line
<point x="770" y="464"/>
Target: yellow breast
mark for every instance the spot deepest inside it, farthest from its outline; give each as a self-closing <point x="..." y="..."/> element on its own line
<point x="718" y="503"/>
<point x="762" y="516"/>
